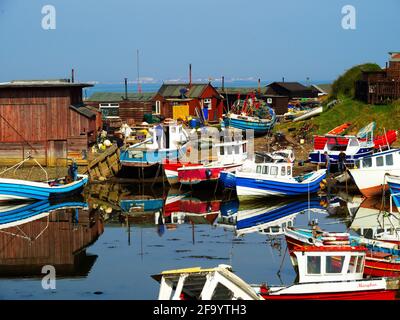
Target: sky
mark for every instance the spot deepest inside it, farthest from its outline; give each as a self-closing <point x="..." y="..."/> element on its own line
<point x="240" y="39"/>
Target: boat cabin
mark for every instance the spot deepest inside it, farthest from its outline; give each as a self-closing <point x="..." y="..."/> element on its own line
<point x="324" y="264"/>
<point x="231" y="152"/>
<point x="276" y="170"/>
<point x="381" y="160"/>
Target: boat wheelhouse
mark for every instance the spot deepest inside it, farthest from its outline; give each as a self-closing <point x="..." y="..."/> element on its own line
<point x="230" y="156"/>
<point x="166" y="141"/>
<point x="255" y="180"/>
<point x="369" y="172"/>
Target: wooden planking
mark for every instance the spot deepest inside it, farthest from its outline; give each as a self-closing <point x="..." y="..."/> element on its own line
<point x="12" y="153"/>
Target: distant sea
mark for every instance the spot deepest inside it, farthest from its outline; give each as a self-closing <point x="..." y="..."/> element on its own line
<point x="154" y="86"/>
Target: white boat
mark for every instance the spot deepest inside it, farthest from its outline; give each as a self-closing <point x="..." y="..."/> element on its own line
<point x="312" y="113"/>
<point x="325" y="273"/>
<point x="255" y="180"/>
<point x="369" y="172"/>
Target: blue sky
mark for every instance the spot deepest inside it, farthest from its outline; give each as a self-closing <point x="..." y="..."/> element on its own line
<point x="263" y="39"/>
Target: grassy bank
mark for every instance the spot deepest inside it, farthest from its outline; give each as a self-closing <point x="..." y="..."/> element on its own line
<point x="349" y="110"/>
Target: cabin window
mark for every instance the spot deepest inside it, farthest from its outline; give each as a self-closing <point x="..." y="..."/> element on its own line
<point x="334" y="264"/>
<point x="265" y="169"/>
<point x="360" y="264"/>
<point x="367" y="162"/>
<point x="353" y="143"/>
<point x="352" y="264"/>
<point x="389" y="159"/>
<point x="258" y="169"/>
<point x="289" y="170"/>
<point x="379" y="161"/>
<point x="283" y="171"/>
<point x="237" y="149"/>
<point x="158" y="107"/>
<point x="313" y="265"/>
<point x="274" y="171"/>
<point x="229" y="149"/>
<point x="221" y="151"/>
<point x="357" y="164"/>
<point x="109" y="110"/>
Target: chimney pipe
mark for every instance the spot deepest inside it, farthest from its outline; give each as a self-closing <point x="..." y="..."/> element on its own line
<point x="259" y="86"/>
<point x="126" y="88"/>
<point x="223" y="83"/>
<point x="72" y="76"/>
<point x="283" y="79"/>
<point x="190" y="75"/>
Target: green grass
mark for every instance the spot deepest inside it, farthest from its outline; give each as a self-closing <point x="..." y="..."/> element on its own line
<point x="349" y="110"/>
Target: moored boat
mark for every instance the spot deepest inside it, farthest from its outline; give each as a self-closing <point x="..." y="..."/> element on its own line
<point x="23" y="190"/>
<point x="369" y="173"/>
<point x="255" y="180"/>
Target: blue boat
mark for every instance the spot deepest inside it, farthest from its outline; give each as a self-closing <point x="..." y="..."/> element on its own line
<point x="244" y="122"/>
<point x="254" y="180"/>
<point x="142" y="204"/>
<point x="166" y="142"/>
<point x="23" y="190"/>
<point x="17" y="214"/>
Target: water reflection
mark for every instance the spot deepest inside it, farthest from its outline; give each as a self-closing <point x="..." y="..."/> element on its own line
<point x="47" y="233"/>
<point x="151" y="228"/>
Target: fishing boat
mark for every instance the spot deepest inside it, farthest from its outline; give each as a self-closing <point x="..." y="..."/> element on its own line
<point x="369" y="173"/>
<point x="228" y="179"/>
<point x="230" y="156"/>
<point x="382" y="258"/>
<point x="256" y="180"/>
<point x="250" y="114"/>
<point x="22" y="190"/>
<point x="355" y="147"/>
<point x="325" y="273"/>
<point x="166" y="141"/>
<point x="394" y="187"/>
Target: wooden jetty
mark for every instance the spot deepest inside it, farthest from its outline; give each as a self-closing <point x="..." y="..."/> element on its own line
<point x="105" y="165"/>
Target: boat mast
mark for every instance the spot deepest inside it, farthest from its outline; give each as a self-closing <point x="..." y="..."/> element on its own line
<point x="139" y="86"/>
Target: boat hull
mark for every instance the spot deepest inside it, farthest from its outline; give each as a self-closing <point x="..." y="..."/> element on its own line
<point x="196" y="175"/>
<point x="19" y="190"/>
<point x="258" y="127"/>
<point x="249" y="186"/>
<point x="318" y="157"/>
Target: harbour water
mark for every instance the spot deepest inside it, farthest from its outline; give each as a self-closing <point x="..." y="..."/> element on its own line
<point x="107" y="243"/>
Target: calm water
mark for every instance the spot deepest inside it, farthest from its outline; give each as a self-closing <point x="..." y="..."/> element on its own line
<point x="107" y="244"/>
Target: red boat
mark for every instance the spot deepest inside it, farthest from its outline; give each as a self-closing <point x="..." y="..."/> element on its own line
<point x="325" y="273"/>
<point x="377" y="263"/>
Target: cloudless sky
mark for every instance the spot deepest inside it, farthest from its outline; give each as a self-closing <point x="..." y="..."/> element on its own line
<point x="236" y="38"/>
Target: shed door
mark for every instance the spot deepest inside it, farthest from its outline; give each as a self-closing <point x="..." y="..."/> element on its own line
<point x="57" y="155"/>
<point x="181" y="111"/>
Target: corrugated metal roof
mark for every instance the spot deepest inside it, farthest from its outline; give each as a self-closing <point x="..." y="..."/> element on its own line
<point x="42" y="83"/>
<point x="83" y="110"/>
<point x="119" y="96"/>
<point x="174" y="89"/>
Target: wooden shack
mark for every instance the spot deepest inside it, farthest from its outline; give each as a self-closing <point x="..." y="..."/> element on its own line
<point x="175" y="100"/>
<point x="293" y="90"/>
<point x="123" y="107"/>
<point x="46" y="119"/>
<point x="382" y="86"/>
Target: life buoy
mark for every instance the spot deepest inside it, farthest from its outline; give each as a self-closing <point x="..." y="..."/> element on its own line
<point x="208" y="173"/>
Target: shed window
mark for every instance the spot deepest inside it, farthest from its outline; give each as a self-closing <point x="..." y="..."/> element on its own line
<point x="158" y="107"/>
<point x="367" y="163"/>
<point x="207" y="104"/>
<point x="389" y="159"/>
<point x="109" y="110"/>
<point x="379" y="161"/>
<point x="274" y="171"/>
